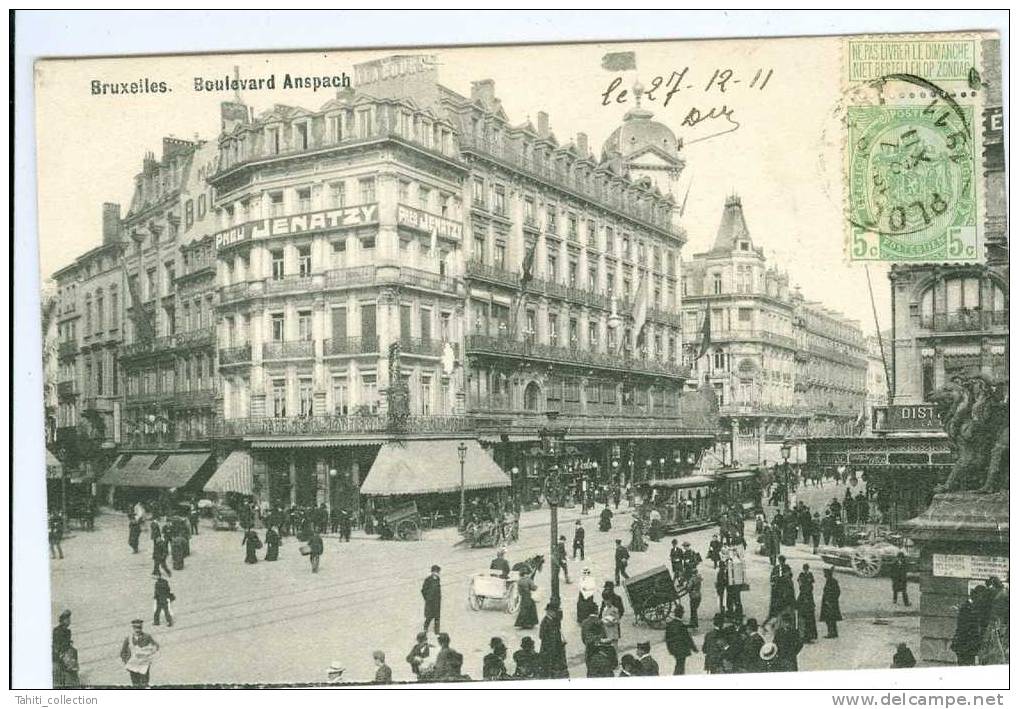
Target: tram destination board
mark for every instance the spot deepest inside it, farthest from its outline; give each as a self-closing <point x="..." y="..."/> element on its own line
<point x="907" y="417"/>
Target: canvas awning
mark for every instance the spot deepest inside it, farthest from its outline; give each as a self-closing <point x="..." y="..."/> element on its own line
<point x="233" y="475"/>
<point x="54" y="468"/>
<point x="166" y="470"/>
<point x="419" y="467"/>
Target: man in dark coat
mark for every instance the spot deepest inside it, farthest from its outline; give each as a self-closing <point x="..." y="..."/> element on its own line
<point x="750" y="655"/>
<point x="605" y="520"/>
<point x="788" y="641"/>
<point x="676" y="558"/>
<point x="163" y="596"/>
<point x="578" y="540"/>
<point x="315" y="547"/>
<point x="898" y="572"/>
<point x="159" y="553"/>
<point x="622" y="556"/>
<point x="966" y="643"/>
<point x="65" y="657"/>
<point x="678" y="641"/>
<point x="598" y="652"/>
<point x="431" y="591"/>
<point x="272" y="544"/>
<point x="552" y="653"/>
<point x="134" y="532"/>
<point x="648" y="664"/>
<point x="344" y="525"/>
<point x="831" y="612"/>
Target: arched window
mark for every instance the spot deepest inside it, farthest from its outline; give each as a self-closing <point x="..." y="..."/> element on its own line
<point x="531" y="396"/>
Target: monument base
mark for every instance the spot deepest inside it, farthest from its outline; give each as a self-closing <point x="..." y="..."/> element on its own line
<point x="963" y="540"/>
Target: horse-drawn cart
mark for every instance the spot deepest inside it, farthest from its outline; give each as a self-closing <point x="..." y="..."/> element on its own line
<point x="652" y="595"/>
<point x="489" y="586"/>
<point x="491" y="533"/>
<point x="403" y="523"/>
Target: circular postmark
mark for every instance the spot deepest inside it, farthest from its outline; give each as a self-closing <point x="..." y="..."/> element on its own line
<point x="909" y="184"/>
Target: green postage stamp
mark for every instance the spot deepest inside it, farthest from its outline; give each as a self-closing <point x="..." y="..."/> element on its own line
<point x="911" y="150"/>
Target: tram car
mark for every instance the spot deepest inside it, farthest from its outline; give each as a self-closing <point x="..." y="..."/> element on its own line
<point x="698" y="501"/>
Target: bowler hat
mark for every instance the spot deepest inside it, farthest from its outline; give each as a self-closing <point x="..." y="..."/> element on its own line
<point x="65" y="614"/>
<point x="768" y="651"/>
<point x="137" y="623"/>
<point x="644" y="646"/>
<point x="436" y="568"/>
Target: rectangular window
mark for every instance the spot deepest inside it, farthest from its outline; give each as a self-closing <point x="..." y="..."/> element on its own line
<point x="367" y="187"/>
<point x="424" y="197"/>
<point x="368" y="331"/>
<point x="341" y="401"/>
<point x="338" y="194"/>
<point x="367" y="243"/>
<point x="716" y="283"/>
<point x="170" y="271"/>
<point x="301" y="131"/>
<point x="304" y="325"/>
<point x="273" y="140"/>
<point x="150" y="284"/>
<point x="404" y="191"/>
<point x="479" y="247"/>
<point x="500" y="200"/>
<point x="550" y="220"/>
<point x="572" y="222"/>
<point x="529" y="211"/>
<point x="279" y="398"/>
<point x="100" y="313"/>
<point x="610" y="241"/>
<point x="370" y="393"/>
<point x="553" y="329"/>
<point x="114" y="308"/>
<point x="304" y="261"/>
<point x="277" y="264"/>
<point x="426" y="325"/>
<point x="336" y="128"/>
<point x="304" y="199"/>
<point x="189" y="213"/>
<point x="592" y="279"/>
<point x="745" y="315"/>
<point x="305" y="397"/>
<point x="478" y="193"/>
<point x="426" y="396"/>
<point x="277" y="329"/>
<point x="572" y="273"/>
<point x="592" y="335"/>
<point x="500" y="254"/>
<point x="275" y="204"/>
<point x="444" y="329"/>
<point x="552" y="267"/>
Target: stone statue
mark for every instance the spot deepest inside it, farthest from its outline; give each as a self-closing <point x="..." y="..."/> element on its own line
<point x="974" y="414"/>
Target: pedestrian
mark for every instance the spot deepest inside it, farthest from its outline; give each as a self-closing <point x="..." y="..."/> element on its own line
<point x="193" y="517"/>
<point x="383" y="672"/>
<point x="768" y="660"/>
<point x="163" y="597"/>
<point x="815" y="531"/>
<point x="56" y="534"/>
<point x="966" y="642"/>
<point x="715" y="550"/>
<point x="251" y="544"/>
<point x="678" y="641"/>
<point x="137" y="653"/>
<point x="155" y="532"/>
<point x="526" y="660"/>
<point x="417" y="658"/>
<point x="560" y="560"/>
<point x="494" y="663"/>
<point x="611" y="610"/>
<point x="676" y="559"/>
<point x="694" y="581"/>
<point x="552" y="652"/>
<point x="605" y="519"/>
<point x="783" y="595"/>
<point x="134" y="532"/>
<point x="721" y="583"/>
<point x="272" y="544"/>
<point x="159" y="553"/>
<point x="599" y="652"/>
<point x="344" y="525"/>
<point x="578" y="540"/>
<point x="898" y="571"/>
<point x="648" y="664"/>
<point x="622" y="557"/>
<point x="750" y="656"/>
<point x="637" y="543"/>
<point x="527" y="616"/>
<point x="431" y="591"/>
<point x="64" y="654"/>
<point x="903" y="657"/>
<point x="616" y="495"/>
<point x="787" y="639"/>
<point x="629" y="667"/>
<point x="715" y="646"/>
<point x="334" y="673"/>
<point x="805" y="605"/>
<point x="585" y="597"/>
<point x="315" y="548"/>
<point x="445" y="661"/>
<point x="178" y="547"/>
<point x="830" y="613"/>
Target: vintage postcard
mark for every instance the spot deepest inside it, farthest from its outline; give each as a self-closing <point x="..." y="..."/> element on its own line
<point x="544" y="362"/>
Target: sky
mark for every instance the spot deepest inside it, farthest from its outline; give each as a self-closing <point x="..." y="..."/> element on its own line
<point x="783" y="159"/>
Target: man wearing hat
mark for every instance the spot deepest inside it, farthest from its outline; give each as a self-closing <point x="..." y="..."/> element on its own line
<point x="65" y="657"/>
<point x="334" y="673"/>
<point x="163" y="596"/>
<point x="561" y="558"/>
<point x="690" y="557"/>
<point x="418" y="654"/>
<point x="678" y="641"/>
<point x="648" y="665"/>
<point x="552" y="653"/>
<point x="500" y="564"/>
<point x="578" y="540"/>
<point x="431" y="591"/>
<point x="768" y="659"/>
<point x="137" y="652"/>
<point x="622" y="559"/>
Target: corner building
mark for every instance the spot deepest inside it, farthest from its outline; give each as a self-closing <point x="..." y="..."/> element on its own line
<point x="385" y="236"/>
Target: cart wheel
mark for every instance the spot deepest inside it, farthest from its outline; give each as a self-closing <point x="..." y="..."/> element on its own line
<point x="473" y="600"/>
<point x="407" y="530"/>
<point x="657" y="615"/>
<point x="867" y="563"/>
<point x="513" y="600"/>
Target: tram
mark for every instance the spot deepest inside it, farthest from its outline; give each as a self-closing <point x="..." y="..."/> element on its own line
<point x="698" y="501"/>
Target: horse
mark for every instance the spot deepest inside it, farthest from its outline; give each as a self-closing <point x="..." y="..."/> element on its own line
<point x="531" y="566"/>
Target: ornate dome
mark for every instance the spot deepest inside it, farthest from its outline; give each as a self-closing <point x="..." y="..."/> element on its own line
<point x="638" y="133"/>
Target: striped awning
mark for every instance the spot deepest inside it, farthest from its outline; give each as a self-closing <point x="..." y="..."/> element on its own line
<point x="420" y="467"/>
<point x="166" y="470"/>
<point x="233" y="475"/>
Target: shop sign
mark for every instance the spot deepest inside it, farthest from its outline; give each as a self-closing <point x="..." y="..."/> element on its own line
<point x="969" y="566"/>
<point x="298" y="224"/>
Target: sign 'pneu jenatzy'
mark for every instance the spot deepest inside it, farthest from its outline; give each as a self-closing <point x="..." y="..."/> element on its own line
<point x="298" y="223"/>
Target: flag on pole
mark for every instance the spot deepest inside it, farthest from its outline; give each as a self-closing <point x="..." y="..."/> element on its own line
<point x="705" y="342"/>
<point x="639" y="312"/>
<point x="527" y="268"/>
<point x="619" y="61"/>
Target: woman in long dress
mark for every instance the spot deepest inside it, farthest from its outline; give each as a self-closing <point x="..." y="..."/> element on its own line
<point x="805" y="605"/>
<point x="251" y="545"/>
<point x="177" y="548"/>
<point x="586" y="605"/>
<point x="637" y="542"/>
<point x="552" y="653"/>
<point x="272" y="543"/>
<point x="527" y="616"/>
<point x="831" y="612"/>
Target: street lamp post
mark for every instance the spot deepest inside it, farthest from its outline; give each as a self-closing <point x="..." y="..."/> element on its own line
<point x="785" y="451"/>
<point x="551" y="440"/>
<point x="461" y="452"/>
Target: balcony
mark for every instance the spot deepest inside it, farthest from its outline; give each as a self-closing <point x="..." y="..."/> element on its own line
<point x="236" y="291"/>
<point x="67" y="348"/>
<point x="157" y="346"/>
<point x="292" y="349"/>
<point x="196" y="398"/>
<point x="966" y="320"/>
<point x="161" y="397"/>
<point x="568" y="181"/>
<point x="752" y="408"/>
<point x="527" y="423"/>
<point x="67" y="390"/>
<point x="494" y="274"/>
<point x="332" y="425"/>
<point x="351" y="346"/>
<point x="289" y="284"/>
<point x="100" y="404"/>
<point x="426" y="279"/>
<point x="419" y="346"/>
<point x="352" y="276"/>
<point x="202" y="337"/>
<point x="240" y="354"/>
<point x="504" y="346"/>
<point x="753" y="335"/>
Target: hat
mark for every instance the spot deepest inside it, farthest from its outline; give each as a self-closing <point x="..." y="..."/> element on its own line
<point x="137" y="623"/>
<point x="768" y="651"/>
<point x="336" y="668"/>
<point x="686" y="544"/>
<point x="435" y="568"/>
<point x="644" y="646"/>
<point x="65" y="614"/>
<point x="609" y="584"/>
<point x="552" y="606"/>
<point x="421" y="637"/>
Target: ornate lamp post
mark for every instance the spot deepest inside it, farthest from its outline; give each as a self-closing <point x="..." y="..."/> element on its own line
<point x="785" y="450"/>
<point x="461" y="452"/>
<point x="552" y="437"/>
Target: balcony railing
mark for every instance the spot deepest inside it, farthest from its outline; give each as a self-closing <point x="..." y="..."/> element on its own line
<point x="157" y="345"/>
<point x="67" y="389"/>
<point x="326" y="425"/>
<point x="234" y="292"/>
<point x="351" y="345"/>
<point x="195" y="398"/>
<point x="751" y="334"/>
<point x="529" y="423"/>
<point x="197" y="338"/>
<point x="420" y="346"/>
<point x="235" y="355"/>
<point x="288" y="284"/>
<point x="67" y="348"/>
<point x="568" y="180"/>
<point x="425" y="279"/>
<point x="504" y="346"/>
<point x="749" y="408"/>
<point x="965" y="320"/>
<point x="292" y="349"/>
<point x="480" y="270"/>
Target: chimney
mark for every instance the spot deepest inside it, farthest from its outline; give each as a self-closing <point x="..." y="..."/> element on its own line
<point x="111" y="222"/>
<point x="483" y="91"/>
<point x="542" y="125"/>
<point x="582" y="145"/>
<point x="345" y="94"/>
<point x="232" y="114"/>
<point x="173" y="146"/>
